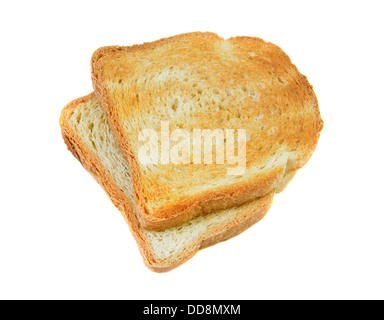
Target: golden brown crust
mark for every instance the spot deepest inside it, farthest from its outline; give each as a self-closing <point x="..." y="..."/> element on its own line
<point x="224" y="198"/>
<point x="178" y="212"/>
<point x="91" y="163"/>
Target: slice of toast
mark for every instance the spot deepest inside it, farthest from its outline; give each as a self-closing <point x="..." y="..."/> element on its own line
<point x="88" y="136"/>
<point x="201" y="81"/>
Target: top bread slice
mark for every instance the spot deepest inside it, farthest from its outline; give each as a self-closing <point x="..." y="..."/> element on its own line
<point x="201" y="81"/>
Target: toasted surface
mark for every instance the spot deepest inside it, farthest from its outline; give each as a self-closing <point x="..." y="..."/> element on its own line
<point x="200" y="80"/>
<point x="88" y="136"/>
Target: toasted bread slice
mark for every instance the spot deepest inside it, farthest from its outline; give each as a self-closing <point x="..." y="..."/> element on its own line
<point x="89" y="138"/>
<point x="201" y="81"/>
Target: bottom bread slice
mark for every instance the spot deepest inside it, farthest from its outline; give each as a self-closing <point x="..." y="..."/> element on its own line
<point x="88" y="136"/>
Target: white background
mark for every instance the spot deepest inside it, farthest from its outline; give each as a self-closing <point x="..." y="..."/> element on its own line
<point x="60" y="236"/>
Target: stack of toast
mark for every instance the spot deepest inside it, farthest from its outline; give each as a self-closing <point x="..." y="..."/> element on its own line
<point x="177" y="203"/>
